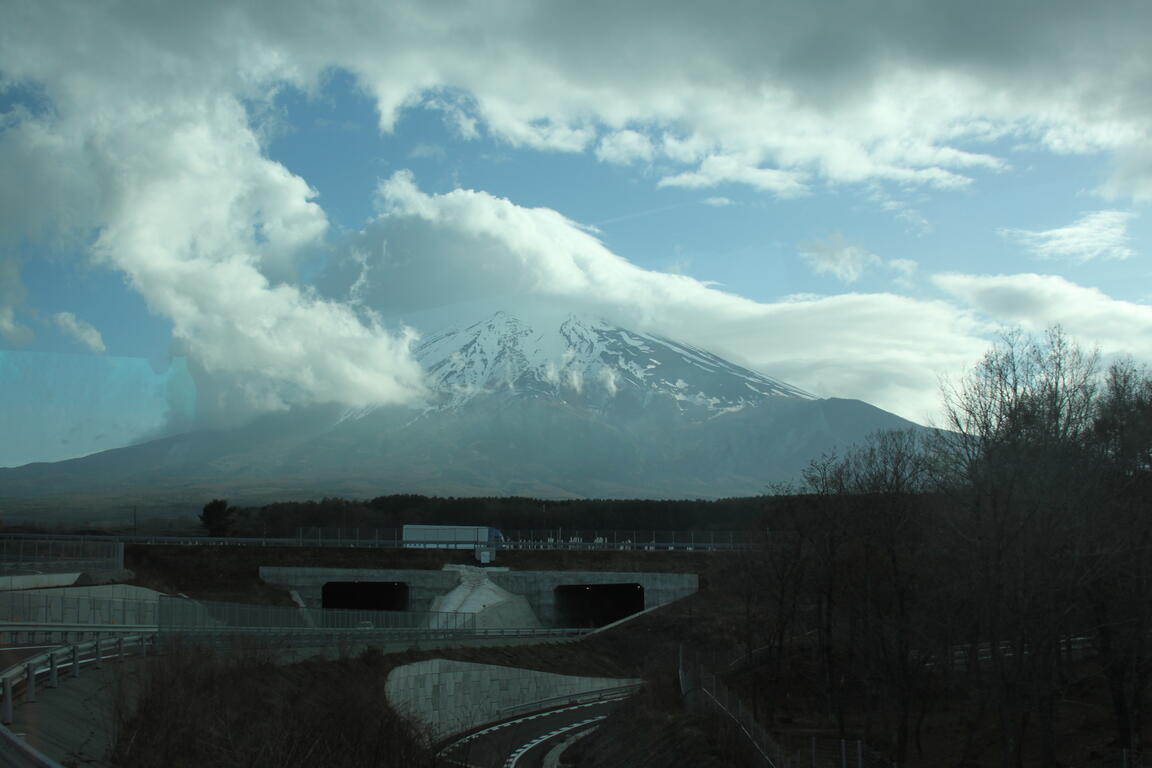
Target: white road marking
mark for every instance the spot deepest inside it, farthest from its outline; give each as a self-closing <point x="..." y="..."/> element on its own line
<point x="523" y="749"/>
<point x="473" y="736"/>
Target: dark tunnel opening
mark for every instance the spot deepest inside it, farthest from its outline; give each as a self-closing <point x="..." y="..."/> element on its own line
<point x="365" y="595"/>
<point x="594" y="605"/>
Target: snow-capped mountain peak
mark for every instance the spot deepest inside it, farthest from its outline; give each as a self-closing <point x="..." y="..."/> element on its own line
<point x="571" y="357"/>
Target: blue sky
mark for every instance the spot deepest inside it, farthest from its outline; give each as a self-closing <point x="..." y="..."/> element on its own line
<point x="853" y="201"/>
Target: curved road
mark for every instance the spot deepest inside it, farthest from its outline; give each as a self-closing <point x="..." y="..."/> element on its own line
<point x="524" y="741"/>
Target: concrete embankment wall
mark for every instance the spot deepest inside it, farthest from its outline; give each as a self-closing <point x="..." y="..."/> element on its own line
<point x="539" y="587"/>
<point x="448" y="697"/>
<point x="37" y="581"/>
<point x="423" y="586"/>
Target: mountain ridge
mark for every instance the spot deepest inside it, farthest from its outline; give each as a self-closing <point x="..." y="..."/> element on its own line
<point x="565" y="407"/>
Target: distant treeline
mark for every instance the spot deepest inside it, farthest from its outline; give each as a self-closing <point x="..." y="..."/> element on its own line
<point x="283" y="519"/>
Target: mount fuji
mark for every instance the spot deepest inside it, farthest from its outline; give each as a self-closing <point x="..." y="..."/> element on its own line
<point x="550" y="405"/>
<point x="592" y="363"/>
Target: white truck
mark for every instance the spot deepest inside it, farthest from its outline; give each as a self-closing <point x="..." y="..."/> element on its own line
<point x="475" y="537"/>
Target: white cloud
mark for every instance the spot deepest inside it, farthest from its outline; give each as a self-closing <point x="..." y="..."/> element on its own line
<point x="11" y="330"/>
<point x="837" y="257"/>
<point x="1098" y="235"/>
<point x="149" y="139"/>
<point x="426" y="151"/>
<point x="625" y="147"/>
<point x="477" y="251"/>
<point x="80" y="331"/>
<point x="905" y="267"/>
<point x="718" y="202"/>
<point x="719" y="169"/>
<point x="774" y="95"/>
<point x="905" y="270"/>
<point x="166" y="163"/>
<point x="1037" y="301"/>
<point x="12" y="294"/>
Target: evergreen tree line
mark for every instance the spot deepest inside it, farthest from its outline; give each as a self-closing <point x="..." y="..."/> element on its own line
<point x="284" y="519"/>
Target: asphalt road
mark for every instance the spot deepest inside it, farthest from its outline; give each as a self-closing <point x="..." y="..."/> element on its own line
<point x="11" y="656"/>
<point x="524" y="741"/>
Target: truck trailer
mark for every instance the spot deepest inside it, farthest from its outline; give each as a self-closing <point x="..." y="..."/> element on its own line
<point x="451" y="537"/>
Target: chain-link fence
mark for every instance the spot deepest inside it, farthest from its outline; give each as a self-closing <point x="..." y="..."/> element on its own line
<point x="544" y="538"/>
<point x="178" y="615"/>
<point x="704" y="692"/>
<point x="24" y="555"/>
<point x="839" y="753"/>
<point x="51" y="606"/>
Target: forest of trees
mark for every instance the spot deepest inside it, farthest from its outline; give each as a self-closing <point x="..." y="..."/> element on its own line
<point x="508" y="513"/>
<point x="980" y="563"/>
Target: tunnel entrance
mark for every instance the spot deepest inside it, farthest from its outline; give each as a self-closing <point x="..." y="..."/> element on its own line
<point x="594" y="605"/>
<point x="365" y="595"/>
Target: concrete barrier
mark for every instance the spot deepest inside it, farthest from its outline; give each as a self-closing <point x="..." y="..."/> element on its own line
<point x="446" y="697"/>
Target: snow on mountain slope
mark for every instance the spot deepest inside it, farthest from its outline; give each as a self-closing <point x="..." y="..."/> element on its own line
<point x="531" y="403"/>
<point x="573" y="358"/>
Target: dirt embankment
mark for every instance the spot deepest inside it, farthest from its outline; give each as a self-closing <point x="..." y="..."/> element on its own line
<point x="208" y="710"/>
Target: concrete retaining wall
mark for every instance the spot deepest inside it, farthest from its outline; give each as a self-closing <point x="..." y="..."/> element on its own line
<point x="423" y="586"/>
<point x="448" y="697"/>
<point x="37" y="581"/>
<point x="540" y="586"/>
<point x="537" y="586"/>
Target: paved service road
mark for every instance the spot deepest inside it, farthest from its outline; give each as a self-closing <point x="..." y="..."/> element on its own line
<point x="11" y="656"/>
<point x="524" y="741"/>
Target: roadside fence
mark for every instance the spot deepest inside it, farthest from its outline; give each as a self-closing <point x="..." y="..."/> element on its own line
<point x="540" y="538"/>
<point x="180" y="614"/>
<point x="21" y="554"/>
<point x="48" y="605"/>
<point x="841" y="753"/>
<point x="704" y="692"/>
<point x="391" y="538"/>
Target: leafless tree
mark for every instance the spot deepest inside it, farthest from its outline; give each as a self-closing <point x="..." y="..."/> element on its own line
<point x="1013" y="452"/>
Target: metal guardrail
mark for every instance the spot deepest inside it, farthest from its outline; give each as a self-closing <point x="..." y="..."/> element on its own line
<point x="87" y="643"/>
<point x="46" y="668"/>
<point x="15" y="633"/>
<point x="17" y="753"/>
